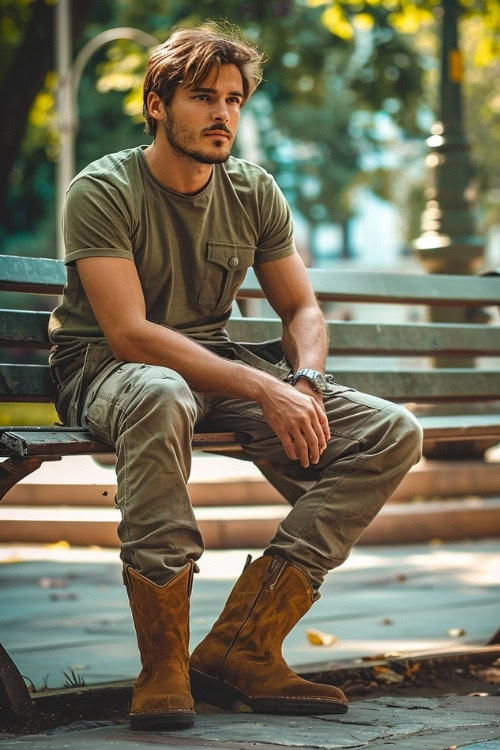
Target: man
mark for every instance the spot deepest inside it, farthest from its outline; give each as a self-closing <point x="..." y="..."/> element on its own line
<point x="158" y="240"/>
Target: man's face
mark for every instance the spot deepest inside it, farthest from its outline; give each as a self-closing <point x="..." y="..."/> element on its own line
<point x="201" y="122"/>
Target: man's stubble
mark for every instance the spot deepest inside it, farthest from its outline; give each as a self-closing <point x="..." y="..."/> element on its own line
<point x="180" y="136"/>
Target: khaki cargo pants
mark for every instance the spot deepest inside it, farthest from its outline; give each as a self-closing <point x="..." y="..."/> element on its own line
<point x="149" y="414"/>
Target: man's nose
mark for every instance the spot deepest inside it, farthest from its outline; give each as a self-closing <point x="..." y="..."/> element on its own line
<point x="220" y="113"/>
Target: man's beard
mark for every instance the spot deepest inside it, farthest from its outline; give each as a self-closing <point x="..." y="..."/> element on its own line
<point x="179" y="137"/>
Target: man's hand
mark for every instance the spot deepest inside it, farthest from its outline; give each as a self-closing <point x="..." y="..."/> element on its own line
<point x="304" y="386"/>
<point x="298" y="419"/>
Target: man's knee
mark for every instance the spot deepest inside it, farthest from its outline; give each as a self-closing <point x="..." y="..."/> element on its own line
<point x="163" y="395"/>
<point x="405" y="432"/>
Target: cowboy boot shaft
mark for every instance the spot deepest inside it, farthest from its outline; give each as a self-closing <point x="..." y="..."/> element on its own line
<point x="237" y="610"/>
<point x="240" y="659"/>
<point x="161" y="696"/>
<point x="161" y="615"/>
<point x="283" y="599"/>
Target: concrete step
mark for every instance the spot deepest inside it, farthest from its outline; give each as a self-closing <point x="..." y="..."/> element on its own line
<point x="220" y="481"/>
<point x="232" y="527"/>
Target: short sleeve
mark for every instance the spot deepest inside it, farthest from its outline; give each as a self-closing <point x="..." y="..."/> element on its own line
<point x="96" y="221"/>
<point x="276" y="228"/>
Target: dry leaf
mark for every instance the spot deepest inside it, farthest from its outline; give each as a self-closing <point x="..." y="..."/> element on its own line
<point x="414" y="669"/>
<point x="317" y="638"/>
<point x="386" y="674"/>
<point x="58" y="545"/>
<point x="383" y="657"/>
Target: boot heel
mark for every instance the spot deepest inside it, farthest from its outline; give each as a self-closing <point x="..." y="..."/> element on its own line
<point x="210" y="690"/>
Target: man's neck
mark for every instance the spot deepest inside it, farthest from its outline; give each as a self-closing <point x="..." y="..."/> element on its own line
<point x="179" y="173"/>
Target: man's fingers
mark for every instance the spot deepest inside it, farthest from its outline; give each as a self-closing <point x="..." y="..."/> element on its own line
<point x="314" y="449"/>
<point x="302" y="448"/>
<point x="323" y="420"/>
<point x="289" y="447"/>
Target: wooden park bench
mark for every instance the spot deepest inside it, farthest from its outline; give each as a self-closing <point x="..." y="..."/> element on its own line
<point x="469" y="392"/>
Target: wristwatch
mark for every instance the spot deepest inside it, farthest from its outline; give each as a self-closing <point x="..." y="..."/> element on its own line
<point x="316" y="378"/>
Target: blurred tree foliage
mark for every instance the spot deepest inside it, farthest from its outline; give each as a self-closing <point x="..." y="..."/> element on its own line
<point x="327" y="62"/>
<point x="480" y="45"/>
<point x="27" y="88"/>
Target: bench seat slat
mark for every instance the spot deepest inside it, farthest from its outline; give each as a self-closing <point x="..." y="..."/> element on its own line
<point x="50" y="441"/>
<point x="46" y="441"/>
<point x="25" y="328"/>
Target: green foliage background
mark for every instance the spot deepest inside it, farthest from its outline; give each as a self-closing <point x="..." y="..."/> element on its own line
<point x="327" y="62"/>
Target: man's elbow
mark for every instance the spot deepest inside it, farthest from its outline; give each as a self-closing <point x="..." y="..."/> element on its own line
<point x="124" y="345"/>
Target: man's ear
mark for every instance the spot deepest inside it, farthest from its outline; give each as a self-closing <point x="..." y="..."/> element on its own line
<point x="155" y="106"/>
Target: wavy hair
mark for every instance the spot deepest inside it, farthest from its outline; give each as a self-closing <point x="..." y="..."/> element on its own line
<point x="187" y="57"/>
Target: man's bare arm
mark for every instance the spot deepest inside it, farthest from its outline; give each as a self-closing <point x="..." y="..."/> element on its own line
<point x="115" y="293"/>
<point x="305" y="336"/>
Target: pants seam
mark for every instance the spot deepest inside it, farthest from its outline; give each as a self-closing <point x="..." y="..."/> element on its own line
<point x="319" y="507"/>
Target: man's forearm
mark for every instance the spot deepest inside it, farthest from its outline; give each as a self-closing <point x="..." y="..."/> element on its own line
<point x="203" y="371"/>
<point x="305" y="339"/>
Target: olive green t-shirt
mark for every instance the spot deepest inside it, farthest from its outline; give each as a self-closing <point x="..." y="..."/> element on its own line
<point x="191" y="251"/>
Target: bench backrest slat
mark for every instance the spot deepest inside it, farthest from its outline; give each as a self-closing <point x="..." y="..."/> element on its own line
<point x="24" y="328"/>
<point x="33" y="383"/>
<point x="400" y="288"/>
<point x="29" y="329"/>
<point x="387" y="339"/>
<point x="26" y="383"/>
<point x="43" y="275"/>
<point x="37" y="275"/>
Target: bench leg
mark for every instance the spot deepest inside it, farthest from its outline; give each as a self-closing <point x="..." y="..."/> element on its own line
<point x="15" y="701"/>
<point x="12" y="470"/>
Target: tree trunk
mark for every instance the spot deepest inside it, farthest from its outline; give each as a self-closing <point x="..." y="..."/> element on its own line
<point x="25" y="77"/>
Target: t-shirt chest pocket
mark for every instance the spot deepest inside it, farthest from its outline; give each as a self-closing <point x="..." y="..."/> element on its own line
<point x="225" y="269"/>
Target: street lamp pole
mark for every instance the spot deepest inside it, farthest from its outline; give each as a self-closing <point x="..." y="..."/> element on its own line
<point x="67" y="95"/>
<point x="448" y="242"/>
<point x="65" y="165"/>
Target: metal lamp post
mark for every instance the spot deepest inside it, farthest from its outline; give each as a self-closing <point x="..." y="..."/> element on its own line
<point x="449" y="242"/>
<point x="67" y="95"/>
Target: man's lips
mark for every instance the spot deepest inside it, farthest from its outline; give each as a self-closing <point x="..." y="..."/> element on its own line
<point x="218" y="134"/>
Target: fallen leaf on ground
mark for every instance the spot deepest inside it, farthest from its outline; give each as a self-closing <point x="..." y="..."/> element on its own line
<point x="317" y="638"/>
<point x="386" y="674"/>
<point x="382" y="657"/>
<point x="455" y="632"/>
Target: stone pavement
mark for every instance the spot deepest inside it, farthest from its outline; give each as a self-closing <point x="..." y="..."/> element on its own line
<point x="63" y="609"/>
<point x="406" y="723"/>
<point x="66" y="609"/>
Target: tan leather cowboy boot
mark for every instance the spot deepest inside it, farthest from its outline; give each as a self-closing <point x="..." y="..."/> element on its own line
<point x="241" y="660"/>
<point x="162" y="697"/>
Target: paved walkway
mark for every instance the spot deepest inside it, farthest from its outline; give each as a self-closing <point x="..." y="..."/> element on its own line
<point x="65" y="609"/>
<point x="405" y="723"/>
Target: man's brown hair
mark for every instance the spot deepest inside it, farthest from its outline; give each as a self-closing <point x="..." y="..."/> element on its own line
<point x="187" y="57"/>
